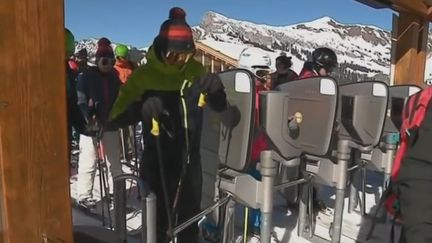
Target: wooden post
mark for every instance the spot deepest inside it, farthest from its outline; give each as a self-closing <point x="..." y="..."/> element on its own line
<point x="410" y="54"/>
<point x="203" y="58"/>
<point x="35" y="203"/>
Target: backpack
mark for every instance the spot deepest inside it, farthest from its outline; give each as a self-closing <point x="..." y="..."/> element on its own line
<point x="412" y="118"/>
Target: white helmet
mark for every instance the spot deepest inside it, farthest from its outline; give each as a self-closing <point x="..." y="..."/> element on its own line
<point x="255" y="60"/>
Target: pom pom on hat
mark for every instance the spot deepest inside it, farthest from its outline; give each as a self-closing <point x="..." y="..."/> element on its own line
<point x="104" y="48"/>
<point x="103" y="42"/>
<point x="175" y="34"/>
<point x="177" y="13"/>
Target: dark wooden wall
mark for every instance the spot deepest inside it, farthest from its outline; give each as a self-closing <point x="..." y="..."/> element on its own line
<point x="34" y="169"/>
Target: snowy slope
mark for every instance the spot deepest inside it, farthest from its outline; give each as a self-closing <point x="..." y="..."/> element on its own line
<point x="363" y="49"/>
<point x="233" y="50"/>
<point x="90" y="44"/>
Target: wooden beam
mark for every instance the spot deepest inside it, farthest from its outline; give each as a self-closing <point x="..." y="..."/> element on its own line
<point x="213" y="52"/>
<point x="410" y="54"/>
<point x="416" y="7"/>
<point x="35" y="201"/>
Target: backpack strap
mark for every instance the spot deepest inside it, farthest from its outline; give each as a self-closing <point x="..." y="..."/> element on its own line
<point x="418" y="113"/>
<point x="413" y="100"/>
<point x="414" y="112"/>
<point x="412" y="116"/>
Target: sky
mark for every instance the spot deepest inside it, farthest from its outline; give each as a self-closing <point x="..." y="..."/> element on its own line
<point x="137" y="22"/>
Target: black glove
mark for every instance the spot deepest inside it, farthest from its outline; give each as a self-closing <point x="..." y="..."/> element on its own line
<point x="210" y="83"/>
<point x="92" y="127"/>
<point x="152" y="108"/>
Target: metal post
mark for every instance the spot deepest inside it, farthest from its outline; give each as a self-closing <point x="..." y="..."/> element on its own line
<point x="310" y="224"/>
<point x="353" y="191"/>
<point x="391" y="142"/>
<point x="268" y="172"/>
<point x="355" y="180"/>
<point x="228" y="227"/>
<point x="148" y="207"/>
<point x="363" y="190"/>
<point x="343" y="157"/>
<point x="304" y="193"/>
<point x="388" y="167"/>
<point x="149" y="219"/>
<point x="120" y="209"/>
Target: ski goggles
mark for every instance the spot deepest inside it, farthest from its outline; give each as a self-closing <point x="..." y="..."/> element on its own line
<point x="262" y="73"/>
<point x="178" y="57"/>
<point x="106" y="61"/>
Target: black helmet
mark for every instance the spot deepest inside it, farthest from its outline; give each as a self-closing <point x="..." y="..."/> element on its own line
<point x="325" y="58"/>
<point x="285" y="60"/>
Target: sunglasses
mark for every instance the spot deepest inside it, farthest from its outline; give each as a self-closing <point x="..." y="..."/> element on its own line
<point x="106" y="61"/>
<point x="178" y="57"/>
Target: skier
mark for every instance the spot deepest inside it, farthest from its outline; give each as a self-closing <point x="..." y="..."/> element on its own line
<point x="77" y="64"/>
<point x="324" y="60"/>
<point x="284" y="73"/>
<point x="123" y="66"/>
<point x="81" y="58"/>
<point x="167" y="88"/>
<point x="97" y="90"/>
<point x="75" y="119"/>
<point x="258" y="62"/>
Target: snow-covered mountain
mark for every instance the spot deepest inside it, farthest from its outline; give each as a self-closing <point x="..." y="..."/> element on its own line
<point x="363" y="50"/>
<point x="90" y="44"/>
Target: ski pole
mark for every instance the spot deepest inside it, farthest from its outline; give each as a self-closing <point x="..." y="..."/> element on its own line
<point x="135" y="147"/>
<point x="101" y="189"/>
<point x="99" y="164"/>
<point x="103" y="185"/>
<point x="122" y="139"/>
<point x="155" y="131"/>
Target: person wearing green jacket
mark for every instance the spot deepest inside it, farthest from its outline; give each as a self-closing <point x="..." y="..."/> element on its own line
<point x="171" y="88"/>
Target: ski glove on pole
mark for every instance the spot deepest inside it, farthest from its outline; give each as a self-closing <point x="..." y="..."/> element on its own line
<point x="91" y="126"/>
<point x="152" y="108"/>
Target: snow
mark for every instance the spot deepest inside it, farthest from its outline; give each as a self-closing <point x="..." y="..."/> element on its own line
<point x="233" y="50"/>
<point x="321" y="23"/>
<point x="351" y="49"/>
<point x="356" y="48"/>
<point x="308" y="36"/>
<point x="354" y="227"/>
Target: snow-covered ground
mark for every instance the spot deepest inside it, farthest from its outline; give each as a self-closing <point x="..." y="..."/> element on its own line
<point x="354" y="226"/>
